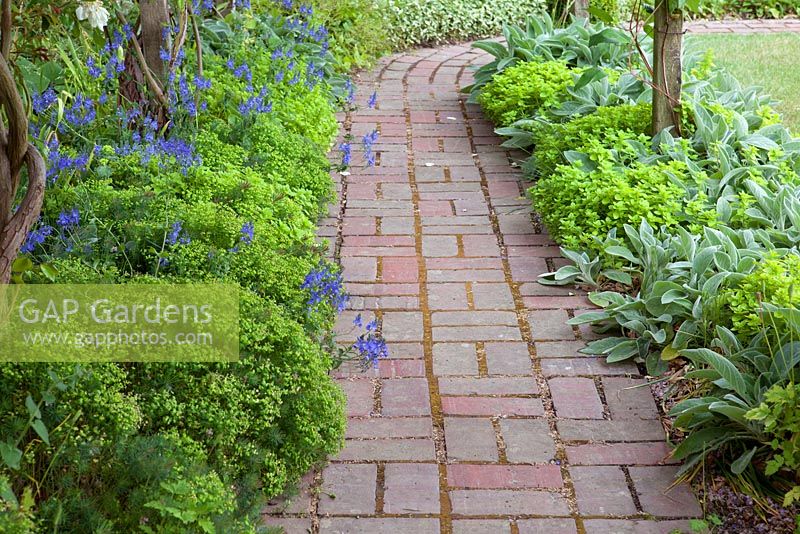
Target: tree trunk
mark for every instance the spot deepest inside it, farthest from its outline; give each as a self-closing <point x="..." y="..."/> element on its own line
<point x="15" y="154"/>
<point x="667" y="48"/>
<point x="154" y="18"/>
<point x="580" y="8"/>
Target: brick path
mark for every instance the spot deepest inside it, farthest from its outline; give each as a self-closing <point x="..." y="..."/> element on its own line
<point x="744" y="26"/>
<point x="486" y="419"/>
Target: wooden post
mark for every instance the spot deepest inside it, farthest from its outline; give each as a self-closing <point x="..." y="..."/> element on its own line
<point x="667" y="82"/>
<point x="580" y="8"/>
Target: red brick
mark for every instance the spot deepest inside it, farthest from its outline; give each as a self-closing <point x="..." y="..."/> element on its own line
<point x="405" y="396"/>
<point x="488" y="386"/>
<point x="576" y="398"/>
<point x="508" y="502"/>
<point x="411" y="489"/>
<point x="401" y="368"/>
<point x="400" y="270"/>
<point x="489" y="406"/>
<point x="348" y="489"/>
<point x="389" y="427"/>
<point x="435" y="207"/>
<point x="359" y="394"/>
<point x="503" y="476"/>
<point x="378" y="525"/>
<point x="649" y="453"/>
<point x="379" y="241"/>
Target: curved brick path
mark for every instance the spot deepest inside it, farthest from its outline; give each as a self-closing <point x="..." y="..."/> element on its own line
<point x="485" y="419"/>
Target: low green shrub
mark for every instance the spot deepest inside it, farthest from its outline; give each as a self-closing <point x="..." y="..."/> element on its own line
<point x="780" y="415"/>
<point x="776" y="280"/>
<point x="611" y="126"/>
<point x="581" y="206"/>
<point x="231" y="195"/>
<point x="525" y="90"/>
<point x="420" y="22"/>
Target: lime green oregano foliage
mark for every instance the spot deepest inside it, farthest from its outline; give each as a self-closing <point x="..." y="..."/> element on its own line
<point x="776" y="281"/>
<point x="580" y="207"/>
<point x="610" y="125"/>
<point x="780" y="414"/>
<point x="526" y="90"/>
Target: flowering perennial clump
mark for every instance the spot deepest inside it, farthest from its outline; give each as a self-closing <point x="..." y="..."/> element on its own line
<point x="370" y="346"/>
<point x="325" y="286"/>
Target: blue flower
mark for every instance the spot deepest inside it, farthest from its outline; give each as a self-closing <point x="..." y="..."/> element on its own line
<point x="34" y="238"/>
<point x="357" y="321"/>
<point x="69" y="219"/>
<point x="202" y="84"/>
<point x="369" y="140"/>
<point x="346" y="153"/>
<point x="373" y="100"/>
<point x="82" y="111"/>
<point x="94" y="70"/>
<point x="325" y="286"/>
<point x="42" y="102"/>
<point x="248" y="232"/>
<point x="371" y="347"/>
<point x="175" y="232"/>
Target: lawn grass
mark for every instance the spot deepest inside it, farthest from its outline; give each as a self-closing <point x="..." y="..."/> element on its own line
<point x="767" y="60"/>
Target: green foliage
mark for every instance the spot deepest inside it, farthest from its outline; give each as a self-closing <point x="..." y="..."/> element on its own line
<point x="780" y="415"/>
<point x="756" y="9"/>
<point x="525" y="90"/>
<point x="776" y="281"/>
<point x="187" y="447"/>
<point x="359" y="33"/>
<point x="581" y="44"/>
<point x="609" y="126"/>
<point x="580" y="206"/>
<point x="692" y="243"/>
<point x="420" y="22"/>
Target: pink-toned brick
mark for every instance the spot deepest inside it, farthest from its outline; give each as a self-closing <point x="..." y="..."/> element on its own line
<point x="492" y="406"/>
<point x="400" y="270"/>
<point x="503" y="476"/>
<point x="651" y="453"/>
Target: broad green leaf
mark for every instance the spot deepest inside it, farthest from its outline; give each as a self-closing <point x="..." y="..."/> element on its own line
<point x="724" y="367"/>
<point x="700" y="441"/>
<point x="742" y="462"/>
<point x="33" y="409"/>
<point x="40" y="429"/>
<point x="10" y="454"/>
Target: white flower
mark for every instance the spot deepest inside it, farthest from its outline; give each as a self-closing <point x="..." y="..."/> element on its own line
<point x="96" y="14"/>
